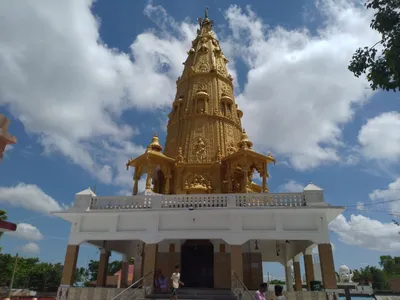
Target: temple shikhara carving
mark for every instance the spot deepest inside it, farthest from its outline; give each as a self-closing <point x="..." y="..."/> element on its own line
<point x="206" y="150"/>
<point x="201" y="207"/>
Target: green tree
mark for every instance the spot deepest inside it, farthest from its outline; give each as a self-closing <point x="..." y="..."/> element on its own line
<point x="81" y="276"/>
<point x="3" y="215"/>
<point x="379" y="279"/>
<point x="382" y="67"/>
<point x="390" y="265"/>
<point x="114" y="267"/>
<point x="33" y="274"/>
<point x="277" y="281"/>
<point x="93" y="266"/>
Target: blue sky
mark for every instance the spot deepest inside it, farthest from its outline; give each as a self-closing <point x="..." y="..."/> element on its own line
<point x="85" y="86"/>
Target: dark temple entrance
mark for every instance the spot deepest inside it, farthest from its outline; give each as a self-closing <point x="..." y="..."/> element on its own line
<point x="197" y="263"/>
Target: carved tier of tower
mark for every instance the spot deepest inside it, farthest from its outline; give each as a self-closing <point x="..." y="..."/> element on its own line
<point x="206" y="150"/>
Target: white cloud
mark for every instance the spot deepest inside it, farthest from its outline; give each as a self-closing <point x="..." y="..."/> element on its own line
<point x="27" y="232"/>
<point x="367" y="233"/>
<point x="360" y="206"/>
<point x="78" y="87"/>
<point x="30" y="249"/>
<point x="8" y="148"/>
<point x="141" y="188"/>
<point x="291" y="187"/>
<point x="298" y="86"/>
<point x="391" y="195"/>
<point x="380" y="137"/>
<point x="30" y="197"/>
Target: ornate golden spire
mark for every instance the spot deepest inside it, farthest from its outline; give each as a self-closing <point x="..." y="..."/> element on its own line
<point x="204" y="114"/>
<point x="206" y="150"/>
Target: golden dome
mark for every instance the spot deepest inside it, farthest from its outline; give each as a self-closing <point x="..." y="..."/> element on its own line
<point x="245" y="143"/>
<point x="155" y="144"/>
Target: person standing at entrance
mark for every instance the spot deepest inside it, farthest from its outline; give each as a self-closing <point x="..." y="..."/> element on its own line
<point x="260" y="294"/>
<point x="278" y="292"/>
<point x="176" y="281"/>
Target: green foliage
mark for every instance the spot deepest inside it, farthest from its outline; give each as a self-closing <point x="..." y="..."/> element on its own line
<point x="42" y="276"/>
<point x="379" y="277"/>
<point x="3" y="215"/>
<point x="382" y="67"/>
<point x="113" y="267"/>
<point x="33" y="274"/>
<point x="277" y="281"/>
<point x="390" y="265"/>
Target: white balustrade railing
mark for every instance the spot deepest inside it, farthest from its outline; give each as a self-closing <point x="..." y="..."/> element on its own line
<point x="121" y="202"/>
<point x="198" y="201"/>
<point x="195" y="201"/>
<point x="284" y="199"/>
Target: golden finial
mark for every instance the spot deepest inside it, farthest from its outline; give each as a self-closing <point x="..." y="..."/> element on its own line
<point x="206" y="20"/>
<point x="129" y="162"/>
<point x="245" y="143"/>
<point x="270" y="156"/>
<point x="155" y="144"/>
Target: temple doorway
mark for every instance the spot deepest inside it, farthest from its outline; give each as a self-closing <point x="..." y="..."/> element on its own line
<point x="197" y="263"/>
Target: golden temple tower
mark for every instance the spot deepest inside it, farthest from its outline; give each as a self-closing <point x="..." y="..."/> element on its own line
<point x="206" y="149"/>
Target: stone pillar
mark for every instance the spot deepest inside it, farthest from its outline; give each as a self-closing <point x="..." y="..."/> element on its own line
<point x="236" y="262"/>
<point x="264" y="182"/>
<point x="230" y="181"/>
<point x="222" y="268"/>
<point x="148" y="180"/>
<point x="149" y="264"/>
<point x="167" y="184"/>
<point x="289" y="278"/>
<point x="327" y="266"/>
<point x="309" y="266"/>
<point x="103" y="268"/>
<point x="124" y="272"/>
<point x="245" y="179"/>
<point x="138" y="262"/>
<point x="135" y="185"/>
<point x="297" y="276"/>
<point x="71" y="257"/>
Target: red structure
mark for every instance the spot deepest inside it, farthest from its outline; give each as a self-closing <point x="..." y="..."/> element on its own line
<point x="7" y="226"/>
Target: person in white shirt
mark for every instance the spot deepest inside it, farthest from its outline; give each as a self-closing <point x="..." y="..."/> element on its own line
<point x="176" y="276"/>
<point x="278" y="292"/>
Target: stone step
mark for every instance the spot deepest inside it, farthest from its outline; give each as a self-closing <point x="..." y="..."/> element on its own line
<point x="191" y="294"/>
<point x="190" y="297"/>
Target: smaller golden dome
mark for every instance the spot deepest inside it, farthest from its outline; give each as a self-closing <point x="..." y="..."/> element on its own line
<point x="245" y="143"/>
<point x="155" y="144"/>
